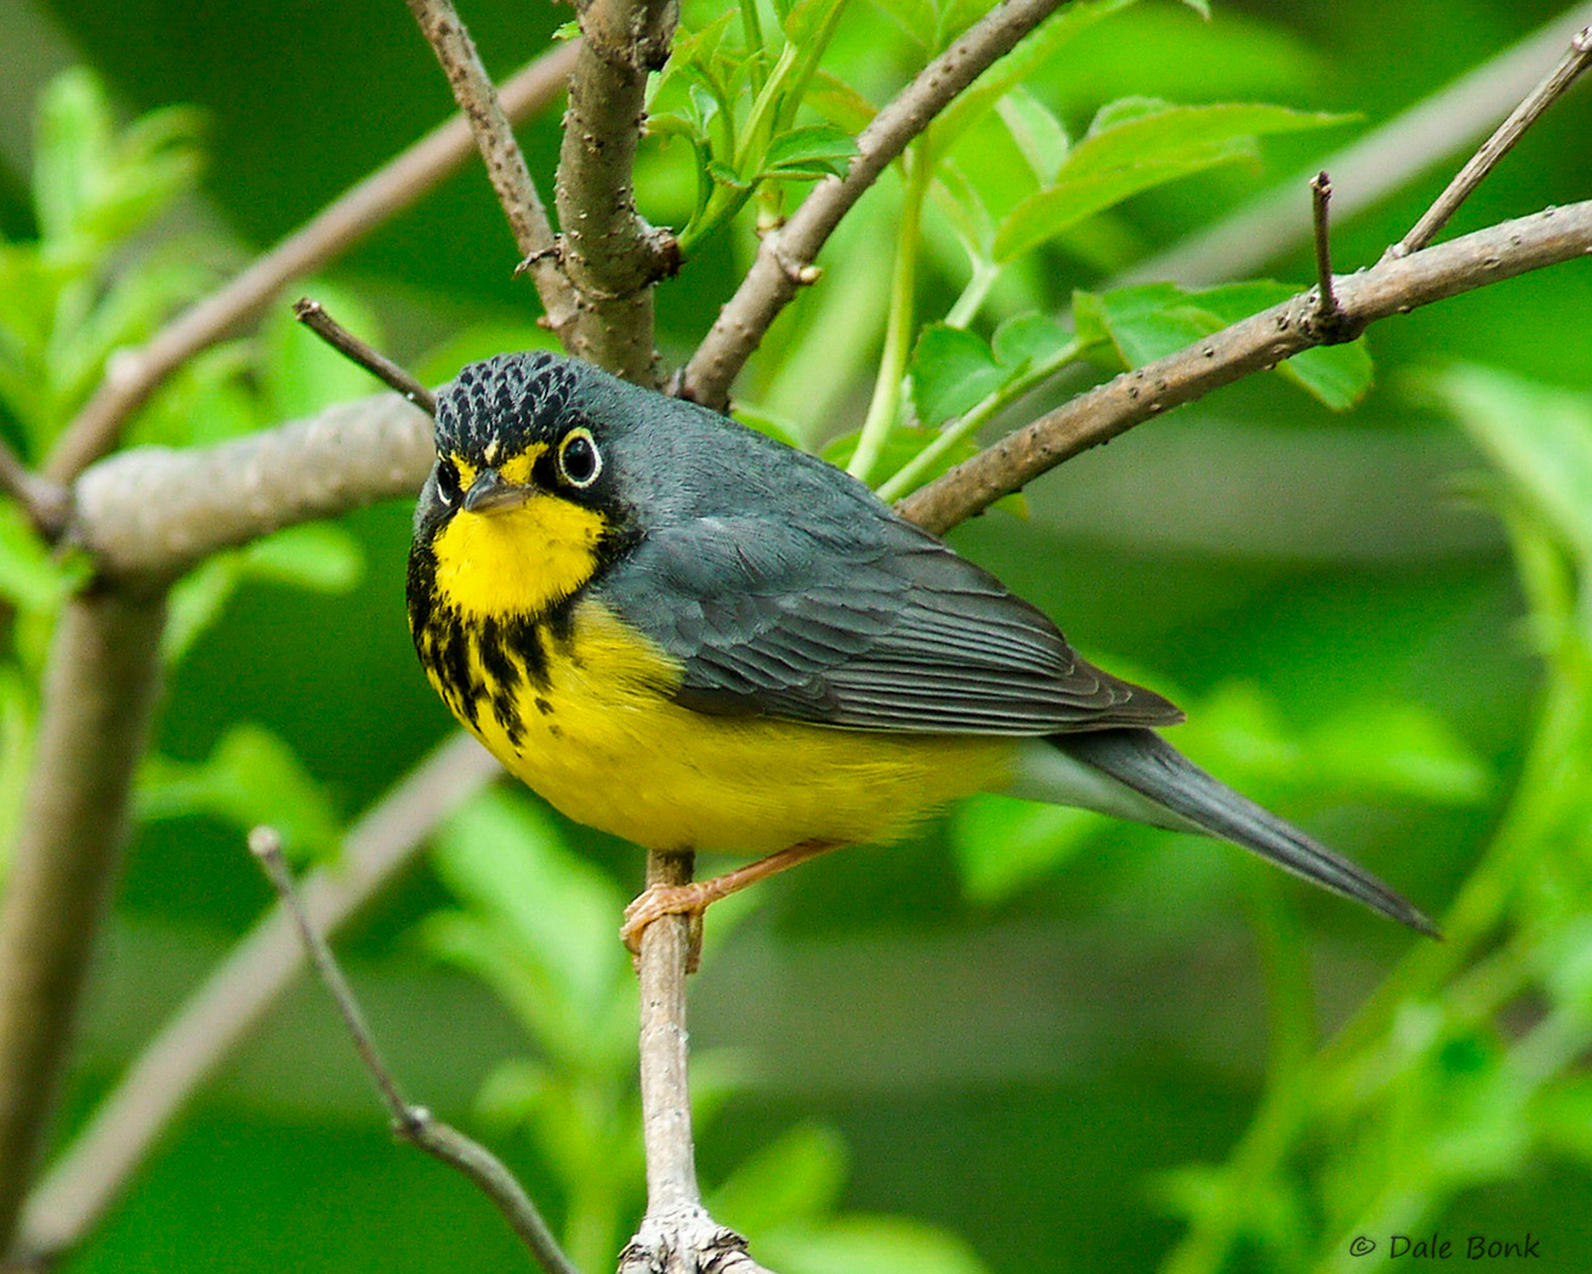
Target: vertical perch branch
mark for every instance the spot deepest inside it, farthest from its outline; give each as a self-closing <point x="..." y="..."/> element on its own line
<point x="610" y="254"/>
<point x="98" y="696"/>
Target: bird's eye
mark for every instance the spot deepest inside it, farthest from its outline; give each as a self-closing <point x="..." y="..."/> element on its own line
<point x="579" y="461"/>
<point x="447" y="481"/>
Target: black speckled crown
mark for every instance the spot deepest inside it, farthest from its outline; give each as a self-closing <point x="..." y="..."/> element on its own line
<point x="513" y="398"/>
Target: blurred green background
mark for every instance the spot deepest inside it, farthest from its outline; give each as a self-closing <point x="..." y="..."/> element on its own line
<point x="1020" y="1060"/>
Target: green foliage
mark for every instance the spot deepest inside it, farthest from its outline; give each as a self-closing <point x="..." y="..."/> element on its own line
<point x="251" y="777"/>
<point x="66" y="299"/>
<point x="1442" y="1084"/>
<point x="535" y="921"/>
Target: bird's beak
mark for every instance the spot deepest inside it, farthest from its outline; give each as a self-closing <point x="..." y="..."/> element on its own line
<point x="490" y="491"/>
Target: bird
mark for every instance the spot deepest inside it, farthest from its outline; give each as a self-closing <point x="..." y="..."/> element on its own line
<point x="692" y="636"/>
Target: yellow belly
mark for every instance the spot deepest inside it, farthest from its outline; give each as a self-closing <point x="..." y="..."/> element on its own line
<point x="606" y="746"/>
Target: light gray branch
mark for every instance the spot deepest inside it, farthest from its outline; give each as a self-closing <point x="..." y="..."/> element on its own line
<point x="154" y="513"/>
<point x="611" y="255"/>
<point x="505" y="164"/>
<point x="91" y="1175"/>
<point x="100" y="689"/>
<point x="1255" y="344"/>
<point x="133" y="375"/>
<point x="785" y="257"/>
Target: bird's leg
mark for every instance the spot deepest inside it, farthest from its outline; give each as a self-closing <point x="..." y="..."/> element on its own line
<point x="693" y="899"/>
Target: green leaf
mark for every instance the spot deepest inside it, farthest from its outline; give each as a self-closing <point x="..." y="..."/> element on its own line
<point x="840" y="103"/>
<point x="798" y="1176"/>
<point x="1136" y="144"/>
<point x="816" y="150"/>
<point x="1075" y="196"/>
<point x="1002" y="845"/>
<point x="72" y="147"/>
<point x="1038" y="133"/>
<point x="250" y="777"/>
<point x="31" y="577"/>
<point x="1397" y="748"/>
<point x="1028" y="338"/>
<point x="862" y="1244"/>
<point x="951" y="370"/>
<point x="320" y="556"/>
<point x="538" y="926"/>
<point x="1136" y="131"/>
<point x="1540" y="438"/>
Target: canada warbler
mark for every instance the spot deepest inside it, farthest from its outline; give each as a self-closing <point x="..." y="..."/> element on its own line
<point x="684" y="633"/>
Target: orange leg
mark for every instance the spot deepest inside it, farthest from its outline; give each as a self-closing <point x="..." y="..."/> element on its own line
<point x="657" y="901"/>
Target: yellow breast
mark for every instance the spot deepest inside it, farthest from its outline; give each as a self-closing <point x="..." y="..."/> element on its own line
<point x="602" y="741"/>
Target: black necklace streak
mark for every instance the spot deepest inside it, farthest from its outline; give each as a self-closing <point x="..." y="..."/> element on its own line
<point x="506" y="651"/>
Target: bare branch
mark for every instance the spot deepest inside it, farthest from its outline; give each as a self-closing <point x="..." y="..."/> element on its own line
<point x="677" y="1236"/>
<point x="154" y="513"/>
<point x="218" y="1016"/>
<point x="100" y="689"/>
<point x="314" y="316"/>
<point x="505" y="164"/>
<point x="612" y="256"/>
<point x="133" y="375"/>
<point x="1558" y="81"/>
<point x="1382" y="161"/>
<point x="46" y="503"/>
<point x="413" y="1124"/>
<point x="785" y="257"/>
<point x="1255" y="344"/>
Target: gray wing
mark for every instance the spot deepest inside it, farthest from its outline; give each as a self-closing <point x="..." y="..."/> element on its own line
<point x="860" y="621"/>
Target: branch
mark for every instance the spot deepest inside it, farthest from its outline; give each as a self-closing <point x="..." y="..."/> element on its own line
<point x="133" y="375"/>
<point x="152" y="513"/>
<point x="1255" y="344"/>
<point x="1557" y="82"/>
<point x="1377" y="164"/>
<point x="46" y="503"/>
<point x="1327" y="318"/>
<point x="100" y="688"/>
<point x="676" y="1236"/>
<point x="612" y="256"/>
<point x="91" y="1175"/>
<point x="505" y="164"/>
<point x="314" y="316"/>
<point x="785" y="257"/>
<point x="413" y="1124"/>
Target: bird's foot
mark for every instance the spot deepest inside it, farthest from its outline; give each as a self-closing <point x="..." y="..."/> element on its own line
<point x="693" y="899"/>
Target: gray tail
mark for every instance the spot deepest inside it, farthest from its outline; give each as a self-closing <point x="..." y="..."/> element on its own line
<point x="1147" y="763"/>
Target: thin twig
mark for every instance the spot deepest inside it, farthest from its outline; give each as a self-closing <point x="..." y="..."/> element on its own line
<point x="314" y="316"/>
<point x="1254" y="344"/>
<point x="99" y="694"/>
<point x="611" y="255"/>
<point x="505" y="164"/>
<point x="785" y="257"/>
<point x="1384" y="160"/>
<point x="1320" y="205"/>
<point x="46" y="503"/>
<point x="133" y="375"/>
<point x="93" y="1171"/>
<point x="1575" y="60"/>
<point x="413" y="1124"/>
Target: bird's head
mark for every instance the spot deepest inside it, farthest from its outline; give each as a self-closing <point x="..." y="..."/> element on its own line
<point x="522" y="502"/>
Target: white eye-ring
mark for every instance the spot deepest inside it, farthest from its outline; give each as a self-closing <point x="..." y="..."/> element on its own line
<point x="579" y="461"/>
